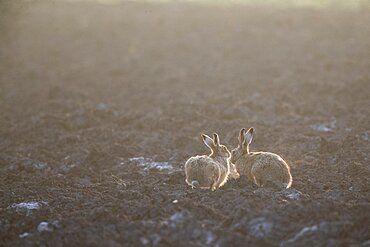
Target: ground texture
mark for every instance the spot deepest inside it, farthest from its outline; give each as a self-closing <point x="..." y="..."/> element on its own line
<point x="101" y="105"/>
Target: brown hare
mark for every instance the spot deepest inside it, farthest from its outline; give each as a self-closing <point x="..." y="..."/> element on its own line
<point x="262" y="168"/>
<point x="209" y="172"/>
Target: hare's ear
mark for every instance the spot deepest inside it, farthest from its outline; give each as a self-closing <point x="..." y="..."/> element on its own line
<point x="208" y="141"/>
<point x="248" y="136"/>
<point x="241" y="136"/>
<point x="216" y="140"/>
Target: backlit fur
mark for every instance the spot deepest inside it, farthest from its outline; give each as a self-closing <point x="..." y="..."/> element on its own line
<point x="263" y="168"/>
<point x="209" y="171"/>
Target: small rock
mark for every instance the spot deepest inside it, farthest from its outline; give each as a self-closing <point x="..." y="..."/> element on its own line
<point x="148" y="164"/>
<point x="202" y="235"/>
<point x="210" y="237"/>
<point x="366" y="136"/>
<point x="321" y="128"/>
<point x="44" y="227"/>
<point x="137" y="159"/>
<point x="311" y="235"/>
<point x="325" y="127"/>
<point x="293" y="194"/>
<point x="33" y="164"/>
<point x="27" y="207"/>
<point x="144" y="240"/>
<point x="102" y="107"/>
<point x="40" y="165"/>
<point x="306" y="232"/>
<point x="260" y="227"/>
<point x="153" y="240"/>
<point x="24" y="235"/>
<point x="178" y="218"/>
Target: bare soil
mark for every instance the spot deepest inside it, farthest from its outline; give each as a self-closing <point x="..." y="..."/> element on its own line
<point x="87" y="87"/>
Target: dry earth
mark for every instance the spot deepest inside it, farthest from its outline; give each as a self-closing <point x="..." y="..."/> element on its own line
<point x="87" y="89"/>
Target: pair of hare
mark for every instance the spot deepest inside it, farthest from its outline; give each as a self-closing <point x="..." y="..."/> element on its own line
<point x="212" y="171"/>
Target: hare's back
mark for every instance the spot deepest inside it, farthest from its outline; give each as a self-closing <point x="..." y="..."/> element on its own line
<point x="203" y="170"/>
<point x="270" y="166"/>
<point x="269" y="160"/>
<point x="200" y="161"/>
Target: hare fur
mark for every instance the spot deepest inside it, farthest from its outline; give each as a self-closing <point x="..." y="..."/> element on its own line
<point x="263" y="168"/>
<point x="209" y="171"/>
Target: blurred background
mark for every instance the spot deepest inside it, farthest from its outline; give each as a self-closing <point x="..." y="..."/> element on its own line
<point x="93" y="91"/>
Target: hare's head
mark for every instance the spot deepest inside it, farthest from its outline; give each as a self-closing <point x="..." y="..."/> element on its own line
<point x="216" y="148"/>
<point x="245" y="139"/>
